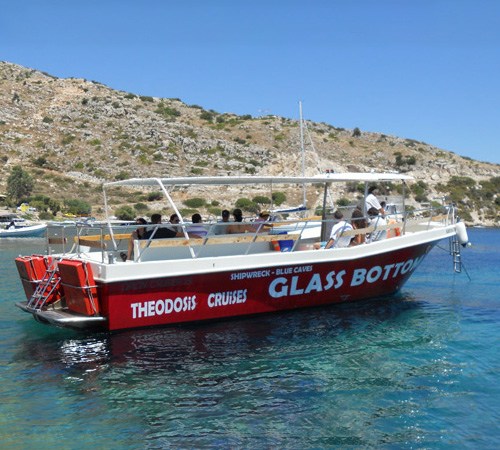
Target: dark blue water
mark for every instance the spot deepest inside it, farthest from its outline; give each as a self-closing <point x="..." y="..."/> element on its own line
<point x="420" y="370"/>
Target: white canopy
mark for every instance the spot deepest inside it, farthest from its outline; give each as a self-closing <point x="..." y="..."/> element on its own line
<point x="232" y="180"/>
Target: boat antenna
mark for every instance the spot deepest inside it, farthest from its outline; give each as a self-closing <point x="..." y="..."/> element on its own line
<point x="318" y="161"/>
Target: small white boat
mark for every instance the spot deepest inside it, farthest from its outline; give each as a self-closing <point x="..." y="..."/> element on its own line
<point x="248" y="271"/>
<point x="28" y="231"/>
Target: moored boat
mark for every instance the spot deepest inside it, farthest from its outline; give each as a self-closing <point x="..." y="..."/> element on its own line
<point x="25" y="231"/>
<point x="253" y="270"/>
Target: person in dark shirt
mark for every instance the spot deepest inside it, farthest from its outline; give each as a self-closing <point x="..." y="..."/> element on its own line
<point x="158" y="232"/>
<point x="136" y="234"/>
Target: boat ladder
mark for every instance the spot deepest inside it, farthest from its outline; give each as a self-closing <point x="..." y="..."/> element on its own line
<point x="455" y="253"/>
<point x="46" y="289"/>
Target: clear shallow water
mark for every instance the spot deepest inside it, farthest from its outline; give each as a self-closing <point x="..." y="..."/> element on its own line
<point x="420" y="370"/>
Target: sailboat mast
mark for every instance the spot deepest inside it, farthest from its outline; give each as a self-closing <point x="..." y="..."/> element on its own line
<point x="303" y="153"/>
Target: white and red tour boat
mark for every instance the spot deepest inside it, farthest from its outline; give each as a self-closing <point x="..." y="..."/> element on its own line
<point x="194" y="278"/>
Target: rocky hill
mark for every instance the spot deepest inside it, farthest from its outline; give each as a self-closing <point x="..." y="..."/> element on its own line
<point x="73" y="134"/>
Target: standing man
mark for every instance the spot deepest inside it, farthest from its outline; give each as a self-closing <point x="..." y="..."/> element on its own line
<point x="372" y="201"/>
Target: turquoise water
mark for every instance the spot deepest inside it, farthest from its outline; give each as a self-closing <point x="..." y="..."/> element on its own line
<point x="420" y="370"/>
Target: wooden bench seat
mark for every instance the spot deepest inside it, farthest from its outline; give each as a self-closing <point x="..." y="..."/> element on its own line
<point x="216" y="239"/>
<point x="209" y="246"/>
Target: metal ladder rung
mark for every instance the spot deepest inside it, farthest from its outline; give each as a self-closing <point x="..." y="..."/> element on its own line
<point x="455" y="252"/>
<point x="44" y="290"/>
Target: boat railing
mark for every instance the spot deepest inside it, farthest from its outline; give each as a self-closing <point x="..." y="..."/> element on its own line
<point x="429" y="217"/>
<point x="107" y="244"/>
<point x="80" y="238"/>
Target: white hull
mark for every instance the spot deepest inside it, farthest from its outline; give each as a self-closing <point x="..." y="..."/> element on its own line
<point x="24" y="232"/>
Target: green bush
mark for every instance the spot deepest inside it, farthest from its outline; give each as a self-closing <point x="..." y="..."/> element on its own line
<point x="154" y="196"/>
<point x="261" y="200"/>
<point x="123" y="175"/>
<point x="247" y="205"/>
<point x="44" y="203"/>
<point x="205" y="115"/>
<point x="216" y="211"/>
<point x="195" y="202"/>
<point x="353" y="186"/>
<point x="125" y="213"/>
<point x="404" y="160"/>
<point x="41" y="161"/>
<point x="186" y="213"/>
<point x="141" y="207"/>
<point x="45" y="215"/>
<point x="278" y="198"/>
<point x="20" y="184"/>
<point x="77" y="207"/>
<point x="167" y="112"/>
<point x="420" y="190"/>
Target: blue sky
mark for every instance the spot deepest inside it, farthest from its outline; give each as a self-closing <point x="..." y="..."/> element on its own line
<point x="421" y="69"/>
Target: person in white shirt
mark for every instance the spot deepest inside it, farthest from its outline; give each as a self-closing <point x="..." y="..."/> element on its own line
<point x="196" y="229"/>
<point x="336" y="239"/>
<point x="376" y="220"/>
<point x="372" y="201"/>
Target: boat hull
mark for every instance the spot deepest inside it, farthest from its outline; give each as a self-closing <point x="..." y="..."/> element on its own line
<point x="196" y="297"/>
<point x="24" y="232"/>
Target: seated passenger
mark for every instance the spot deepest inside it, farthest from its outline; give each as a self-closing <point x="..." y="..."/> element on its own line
<point x="238" y="226"/>
<point x="358" y="222"/>
<point x="377" y="220"/>
<point x="259" y="225"/>
<point x="336" y="239"/>
<point x="136" y="234"/>
<point x="263" y="216"/>
<point x="221" y="227"/>
<point x="174" y="220"/>
<point x="196" y="229"/>
<point x="159" y="232"/>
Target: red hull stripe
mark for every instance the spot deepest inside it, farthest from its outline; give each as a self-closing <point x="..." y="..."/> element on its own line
<point x="167" y="300"/>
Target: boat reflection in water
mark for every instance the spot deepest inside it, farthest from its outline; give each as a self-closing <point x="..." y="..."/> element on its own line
<point x="219" y="342"/>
